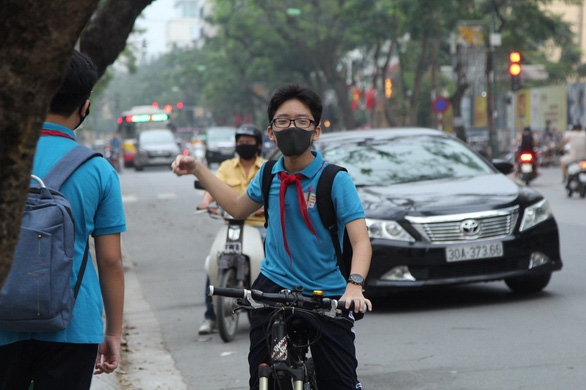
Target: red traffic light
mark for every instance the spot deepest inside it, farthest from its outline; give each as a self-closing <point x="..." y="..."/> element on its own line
<point x="180" y="105"/>
<point x="515" y="69"/>
<point x="515" y="57"/>
<point x="168" y="108"/>
<point x="155" y="104"/>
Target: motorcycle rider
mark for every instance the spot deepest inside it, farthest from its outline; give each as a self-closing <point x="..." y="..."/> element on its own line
<point x="577" y="141"/>
<point x="526" y="144"/>
<point x="237" y="173"/>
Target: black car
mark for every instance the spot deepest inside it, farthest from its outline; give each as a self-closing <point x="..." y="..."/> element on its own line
<point x="438" y="213"/>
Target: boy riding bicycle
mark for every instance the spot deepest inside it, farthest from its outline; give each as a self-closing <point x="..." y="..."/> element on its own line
<point x="299" y="248"/>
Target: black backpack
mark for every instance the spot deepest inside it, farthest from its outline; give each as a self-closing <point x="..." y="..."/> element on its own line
<point x="325" y="207"/>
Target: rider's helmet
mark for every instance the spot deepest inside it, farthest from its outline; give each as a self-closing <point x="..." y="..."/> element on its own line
<point x="250" y="130"/>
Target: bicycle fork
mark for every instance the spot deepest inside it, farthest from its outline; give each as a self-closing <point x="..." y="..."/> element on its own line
<point x="280" y="370"/>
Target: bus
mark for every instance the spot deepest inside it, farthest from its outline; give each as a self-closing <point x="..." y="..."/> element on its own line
<point x="133" y="121"/>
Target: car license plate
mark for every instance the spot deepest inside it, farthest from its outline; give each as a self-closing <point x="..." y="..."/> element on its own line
<point x="474" y="251"/>
<point x="526" y="168"/>
<point x="582" y="177"/>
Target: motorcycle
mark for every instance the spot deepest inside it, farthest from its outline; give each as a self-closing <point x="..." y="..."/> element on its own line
<point x="576" y="181"/>
<point x="233" y="262"/>
<point x="527" y="166"/>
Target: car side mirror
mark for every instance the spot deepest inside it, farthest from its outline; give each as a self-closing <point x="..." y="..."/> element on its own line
<point x="503" y="166"/>
<point x="197" y="185"/>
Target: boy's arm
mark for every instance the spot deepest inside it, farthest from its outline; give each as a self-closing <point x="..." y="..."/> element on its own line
<point x="239" y="206"/>
<point x="111" y="276"/>
<point x="361" y="255"/>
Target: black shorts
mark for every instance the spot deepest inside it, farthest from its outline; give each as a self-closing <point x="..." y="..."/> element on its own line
<point x="52" y="366"/>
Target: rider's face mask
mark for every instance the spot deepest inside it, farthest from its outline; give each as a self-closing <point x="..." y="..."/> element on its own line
<point x="247" y="151"/>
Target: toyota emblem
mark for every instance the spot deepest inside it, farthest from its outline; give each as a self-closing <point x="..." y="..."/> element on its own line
<point x="470" y="227"/>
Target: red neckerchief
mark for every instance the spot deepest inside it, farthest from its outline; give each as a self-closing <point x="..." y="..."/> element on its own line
<point x="286" y="180"/>
<point x="56" y="133"/>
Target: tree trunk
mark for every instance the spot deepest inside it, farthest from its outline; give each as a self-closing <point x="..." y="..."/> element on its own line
<point x="419" y="72"/>
<point x="341" y="90"/>
<point x="492" y="149"/>
<point x="456" y="98"/>
<point x="434" y="71"/>
<point x="105" y="37"/>
<point x="37" y="40"/>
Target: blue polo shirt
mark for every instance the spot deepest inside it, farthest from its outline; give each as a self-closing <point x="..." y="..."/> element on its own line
<point x="94" y="193"/>
<point x="313" y="262"/>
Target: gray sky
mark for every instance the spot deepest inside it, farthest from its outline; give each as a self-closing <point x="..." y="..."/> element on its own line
<point x="154" y="19"/>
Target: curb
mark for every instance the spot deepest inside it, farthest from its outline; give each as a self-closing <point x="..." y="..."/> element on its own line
<point x="145" y="362"/>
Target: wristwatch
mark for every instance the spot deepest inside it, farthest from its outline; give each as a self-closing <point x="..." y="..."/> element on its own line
<point x="356" y="279"/>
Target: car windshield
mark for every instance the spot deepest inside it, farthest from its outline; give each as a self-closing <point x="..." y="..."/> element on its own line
<point x="374" y="162"/>
<point x="226" y="134"/>
<point x="156" y="137"/>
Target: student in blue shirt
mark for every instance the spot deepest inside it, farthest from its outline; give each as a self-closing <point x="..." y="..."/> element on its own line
<point x="68" y="359"/>
<point x="299" y="249"/>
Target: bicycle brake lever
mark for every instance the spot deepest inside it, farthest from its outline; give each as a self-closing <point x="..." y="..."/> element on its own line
<point x="331" y="312"/>
<point x="252" y="302"/>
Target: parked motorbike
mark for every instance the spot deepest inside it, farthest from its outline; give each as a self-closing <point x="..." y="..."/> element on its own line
<point x="576" y="181"/>
<point x="233" y="262"/>
<point x="527" y="166"/>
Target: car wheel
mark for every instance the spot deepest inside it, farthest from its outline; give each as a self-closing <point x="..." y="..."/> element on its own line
<point x="528" y="284"/>
<point x="582" y="192"/>
<point x="138" y="168"/>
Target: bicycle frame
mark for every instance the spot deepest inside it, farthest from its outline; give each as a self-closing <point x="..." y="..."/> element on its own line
<point x="290" y="366"/>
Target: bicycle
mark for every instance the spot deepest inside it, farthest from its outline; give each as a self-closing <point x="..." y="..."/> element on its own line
<point x="288" y="337"/>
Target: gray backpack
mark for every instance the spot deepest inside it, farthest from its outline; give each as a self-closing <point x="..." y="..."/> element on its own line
<point x="37" y="295"/>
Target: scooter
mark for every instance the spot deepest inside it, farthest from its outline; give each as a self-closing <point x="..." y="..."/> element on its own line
<point x="527" y="166"/>
<point x="576" y="181"/>
<point x="233" y="262"/>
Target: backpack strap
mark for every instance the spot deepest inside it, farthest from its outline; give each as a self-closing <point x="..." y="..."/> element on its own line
<point x="325" y="207"/>
<point x="267" y="179"/>
<point x="68" y="164"/>
<point x="58" y="175"/>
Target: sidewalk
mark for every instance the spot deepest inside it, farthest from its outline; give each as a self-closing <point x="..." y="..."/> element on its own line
<point x="146" y="363"/>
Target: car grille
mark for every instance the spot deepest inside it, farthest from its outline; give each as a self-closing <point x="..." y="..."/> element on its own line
<point x="467" y="268"/>
<point x="159" y="154"/>
<point x="459" y="228"/>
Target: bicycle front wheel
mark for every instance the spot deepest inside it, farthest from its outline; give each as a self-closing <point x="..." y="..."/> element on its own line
<point x="225" y="317"/>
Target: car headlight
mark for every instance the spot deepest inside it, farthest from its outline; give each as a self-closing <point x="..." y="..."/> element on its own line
<point x="535" y="214"/>
<point x="389" y="230"/>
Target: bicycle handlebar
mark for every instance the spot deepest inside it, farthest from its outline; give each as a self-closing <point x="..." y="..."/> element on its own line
<point x="327" y="306"/>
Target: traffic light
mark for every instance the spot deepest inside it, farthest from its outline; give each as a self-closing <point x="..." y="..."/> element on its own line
<point x="515" y="70"/>
<point x="388" y="88"/>
<point x="168" y="108"/>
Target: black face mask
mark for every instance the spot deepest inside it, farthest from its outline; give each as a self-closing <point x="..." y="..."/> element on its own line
<point x="247" y="152"/>
<point x="83" y="117"/>
<point x="293" y="141"/>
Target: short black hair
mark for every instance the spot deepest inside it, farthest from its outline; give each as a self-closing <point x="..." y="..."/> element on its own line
<point x="77" y="85"/>
<point x="295" y="91"/>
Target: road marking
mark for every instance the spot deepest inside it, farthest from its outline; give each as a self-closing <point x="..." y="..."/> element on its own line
<point x="166" y="196"/>
<point x="129" y="199"/>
